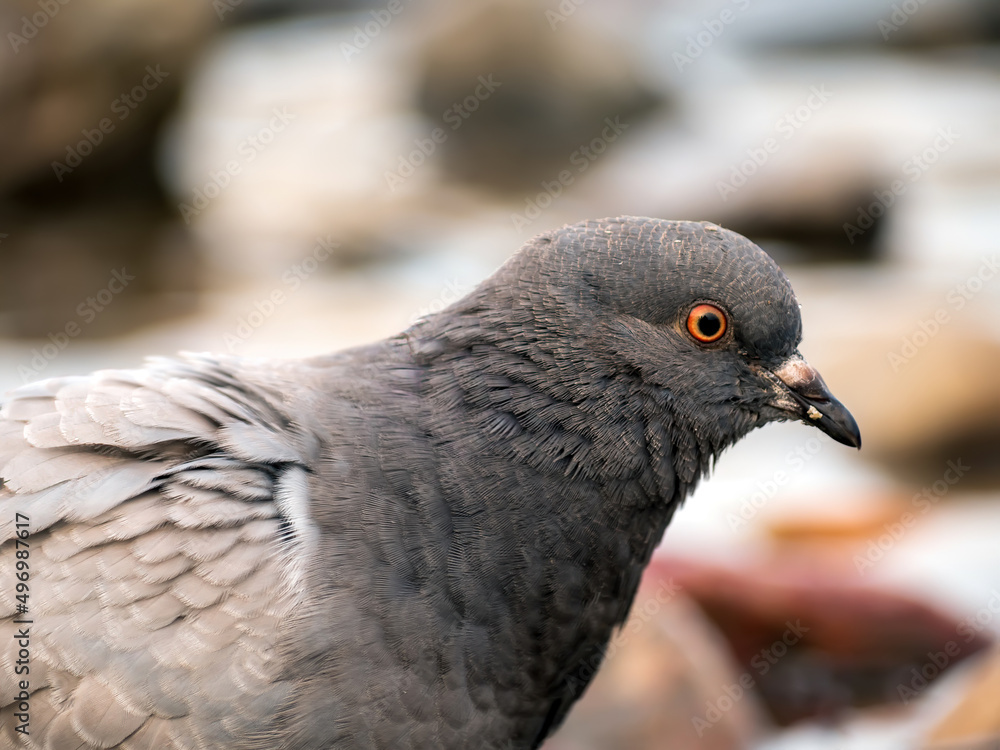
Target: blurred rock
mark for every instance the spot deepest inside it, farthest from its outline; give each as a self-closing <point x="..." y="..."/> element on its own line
<point x="914" y="355"/>
<point x="848" y="25"/>
<point x="84" y="86"/>
<point x="663" y="685"/>
<point x="557" y="80"/>
<point x="262" y="11"/>
<point x="974" y="724"/>
<point x="93" y="273"/>
<point x="833" y="158"/>
<point x="85" y="77"/>
<point x="948" y="222"/>
<point x="286" y="137"/>
<point x="816" y="642"/>
<point x="386" y="116"/>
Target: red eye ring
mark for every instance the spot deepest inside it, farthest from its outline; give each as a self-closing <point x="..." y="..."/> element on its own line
<point x="707" y="323"/>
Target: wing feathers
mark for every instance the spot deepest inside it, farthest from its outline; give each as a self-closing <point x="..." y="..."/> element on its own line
<point x="161" y="553"/>
<point x="101" y="717"/>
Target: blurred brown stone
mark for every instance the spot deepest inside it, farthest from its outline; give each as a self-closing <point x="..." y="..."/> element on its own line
<point x="84" y="88"/>
<point x="68" y="65"/>
<point x="558" y="81"/>
<point x="920" y="376"/>
<point x="816" y="641"/>
<point x="57" y="270"/>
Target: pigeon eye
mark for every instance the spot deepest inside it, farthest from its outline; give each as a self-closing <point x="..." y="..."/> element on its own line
<point x="706" y="323"/>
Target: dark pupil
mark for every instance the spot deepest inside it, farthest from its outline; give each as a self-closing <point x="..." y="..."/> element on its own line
<point x="709" y="325"/>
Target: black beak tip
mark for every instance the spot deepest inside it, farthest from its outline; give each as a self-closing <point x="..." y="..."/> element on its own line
<point x="835" y="420"/>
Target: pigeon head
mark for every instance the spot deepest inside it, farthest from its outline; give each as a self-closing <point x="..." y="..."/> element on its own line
<point x="694" y="311"/>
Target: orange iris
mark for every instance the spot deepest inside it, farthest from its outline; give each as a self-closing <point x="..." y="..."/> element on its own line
<point x="707" y="323"/>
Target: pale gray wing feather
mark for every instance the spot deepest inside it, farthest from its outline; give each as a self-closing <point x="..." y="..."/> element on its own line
<point x="167" y="528"/>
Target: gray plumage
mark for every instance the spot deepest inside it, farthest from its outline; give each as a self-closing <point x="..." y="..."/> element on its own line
<point x="421" y="543"/>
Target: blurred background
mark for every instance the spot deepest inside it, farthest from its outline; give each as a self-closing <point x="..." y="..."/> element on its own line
<point x="288" y="177"/>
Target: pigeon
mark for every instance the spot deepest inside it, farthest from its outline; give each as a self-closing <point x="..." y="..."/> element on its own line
<point x="425" y="542"/>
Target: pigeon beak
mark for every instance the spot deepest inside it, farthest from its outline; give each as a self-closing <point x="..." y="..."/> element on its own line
<point x="817" y="406"/>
